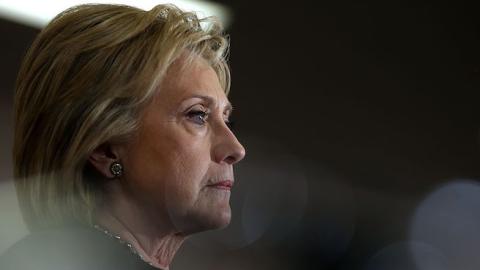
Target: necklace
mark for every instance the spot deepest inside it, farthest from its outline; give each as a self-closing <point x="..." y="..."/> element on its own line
<point x="121" y="241"/>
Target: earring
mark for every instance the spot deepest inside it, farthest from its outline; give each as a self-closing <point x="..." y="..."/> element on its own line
<point x="116" y="169"/>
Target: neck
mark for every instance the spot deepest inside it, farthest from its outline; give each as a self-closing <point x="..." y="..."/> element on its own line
<point x="155" y="243"/>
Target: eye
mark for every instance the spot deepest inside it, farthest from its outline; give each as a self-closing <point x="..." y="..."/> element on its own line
<point x="199" y="117"/>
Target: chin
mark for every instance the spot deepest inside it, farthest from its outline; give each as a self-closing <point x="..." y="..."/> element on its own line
<point x="222" y="220"/>
<point x="207" y="221"/>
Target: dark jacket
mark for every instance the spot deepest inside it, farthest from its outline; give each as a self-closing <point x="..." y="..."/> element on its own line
<point x="70" y="248"/>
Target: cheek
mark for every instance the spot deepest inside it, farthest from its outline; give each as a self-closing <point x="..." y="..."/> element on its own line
<point x="168" y="175"/>
<point x="189" y="175"/>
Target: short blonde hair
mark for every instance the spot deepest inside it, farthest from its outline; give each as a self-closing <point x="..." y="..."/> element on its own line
<point x="83" y="83"/>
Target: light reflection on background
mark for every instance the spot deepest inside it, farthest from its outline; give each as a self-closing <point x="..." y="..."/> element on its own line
<point x="397" y="256"/>
<point x="448" y="220"/>
<point x="12" y="227"/>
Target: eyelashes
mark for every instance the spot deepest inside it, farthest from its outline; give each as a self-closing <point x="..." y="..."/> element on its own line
<point x="200" y="118"/>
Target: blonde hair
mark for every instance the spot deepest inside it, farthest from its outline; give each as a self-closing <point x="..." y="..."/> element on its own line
<point x="83" y="83"/>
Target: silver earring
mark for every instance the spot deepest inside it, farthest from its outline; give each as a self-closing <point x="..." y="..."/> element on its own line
<point x="116" y="169"/>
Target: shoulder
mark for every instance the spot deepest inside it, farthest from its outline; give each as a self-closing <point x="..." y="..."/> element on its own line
<point x="73" y="248"/>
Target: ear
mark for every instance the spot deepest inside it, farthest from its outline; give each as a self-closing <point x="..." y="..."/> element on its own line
<point x="102" y="158"/>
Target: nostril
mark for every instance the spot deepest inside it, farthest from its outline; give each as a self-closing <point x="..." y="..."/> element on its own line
<point x="235" y="157"/>
<point x="230" y="159"/>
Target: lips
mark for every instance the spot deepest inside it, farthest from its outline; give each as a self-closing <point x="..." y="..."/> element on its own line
<point x="225" y="184"/>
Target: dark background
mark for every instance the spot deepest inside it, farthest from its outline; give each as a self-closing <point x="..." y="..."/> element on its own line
<point x="351" y="112"/>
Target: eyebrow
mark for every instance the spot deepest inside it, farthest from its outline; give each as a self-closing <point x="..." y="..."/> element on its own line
<point x="211" y="100"/>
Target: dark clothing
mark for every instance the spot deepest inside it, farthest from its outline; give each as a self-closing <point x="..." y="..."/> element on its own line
<point x="71" y="248"/>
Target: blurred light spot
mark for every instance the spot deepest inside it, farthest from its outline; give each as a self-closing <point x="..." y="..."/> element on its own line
<point x="12" y="227"/>
<point x="39" y="13"/>
<point x="399" y="256"/>
<point x="449" y="220"/>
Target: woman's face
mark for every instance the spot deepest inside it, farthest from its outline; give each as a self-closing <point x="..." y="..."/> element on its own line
<point x="180" y="166"/>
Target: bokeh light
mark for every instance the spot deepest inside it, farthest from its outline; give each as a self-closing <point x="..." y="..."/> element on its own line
<point x="448" y="221"/>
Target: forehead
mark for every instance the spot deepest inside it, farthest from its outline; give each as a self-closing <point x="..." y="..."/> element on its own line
<point x="190" y="77"/>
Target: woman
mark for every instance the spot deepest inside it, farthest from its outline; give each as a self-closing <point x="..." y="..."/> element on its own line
<point x="122" y="142"/>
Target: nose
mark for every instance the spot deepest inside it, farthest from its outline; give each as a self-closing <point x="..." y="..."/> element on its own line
<point x="227" y="148"/>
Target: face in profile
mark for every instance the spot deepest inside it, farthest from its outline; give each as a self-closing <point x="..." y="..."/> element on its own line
<point x="179" y="167"/>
